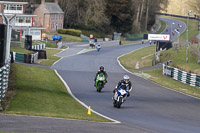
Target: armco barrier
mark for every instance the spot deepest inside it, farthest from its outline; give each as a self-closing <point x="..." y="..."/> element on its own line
<point x="182" y="76"/>
<point x="4" y="75"/>
<point x="179" y="16"/>
<point x="25" y="58"/>
<point x="134" y="39"/>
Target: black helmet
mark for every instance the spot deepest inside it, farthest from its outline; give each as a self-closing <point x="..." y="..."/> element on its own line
<point x="101" y="68"/>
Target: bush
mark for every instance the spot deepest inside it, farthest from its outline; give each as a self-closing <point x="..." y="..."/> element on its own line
<point x="72" y="32"/>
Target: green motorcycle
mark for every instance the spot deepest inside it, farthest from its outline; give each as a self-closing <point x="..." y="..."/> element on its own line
<point x="100" y="82"/>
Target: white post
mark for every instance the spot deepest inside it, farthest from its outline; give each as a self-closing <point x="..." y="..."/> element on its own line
<point x="198" y="61"/>
<point x="187" y="35"/>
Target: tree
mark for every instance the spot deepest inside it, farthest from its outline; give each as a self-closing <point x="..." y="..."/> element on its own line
<point x="120" y="15"/>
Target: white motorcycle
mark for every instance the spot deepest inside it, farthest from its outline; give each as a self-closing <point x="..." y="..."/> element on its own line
<point x="120" y="96"/>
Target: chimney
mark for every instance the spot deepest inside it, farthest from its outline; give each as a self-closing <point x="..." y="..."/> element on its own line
<point x="56" y="1"/>
<point x="42" y="1"/>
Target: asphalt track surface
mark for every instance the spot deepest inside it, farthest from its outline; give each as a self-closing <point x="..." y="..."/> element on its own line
<point x="150" y="108"/>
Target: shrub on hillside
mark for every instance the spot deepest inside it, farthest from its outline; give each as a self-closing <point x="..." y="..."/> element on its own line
<point x="72" y="32"/>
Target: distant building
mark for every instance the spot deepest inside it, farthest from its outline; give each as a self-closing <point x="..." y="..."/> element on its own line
<point x="49" y="15"/>
<point x="24" y="22"/>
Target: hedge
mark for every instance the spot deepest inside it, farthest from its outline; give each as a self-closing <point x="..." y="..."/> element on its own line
<point x="72" y="32"/>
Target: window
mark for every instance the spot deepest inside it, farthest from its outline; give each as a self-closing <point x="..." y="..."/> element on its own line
<point x="21" y="20"/>
<point x="28" y="20"/>
<point x="17" y="20"/>
<point x="5" y="7"/>
<point x="19" y="7"/>
<point x="52" y="26"/>
<point x="13" y="7"/>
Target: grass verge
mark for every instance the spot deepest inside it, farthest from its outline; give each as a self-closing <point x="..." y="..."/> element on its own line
<point x="138" y="59"/>
<point x="162" y="28"/>
<point x="50" y="57"/>
<point x="41" y="93"/>
<point x="129" y="61"/>
<point x="158" y="77"/>
<point x="66" y="38"/>
<point x="179" y="58"/>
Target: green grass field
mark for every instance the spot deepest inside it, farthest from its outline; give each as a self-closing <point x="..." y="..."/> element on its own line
<point x="40" y="92"/>
<point x="162" y="28"/>
<point x="67" y="38"/>
<point x="50" y="57"/>
<point x="179" y="59"/>
<point x="143" y="58"/>
<point x="158" y="77"/>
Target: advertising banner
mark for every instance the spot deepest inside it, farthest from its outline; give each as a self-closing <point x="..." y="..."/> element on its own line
<point x="157" y="37"/>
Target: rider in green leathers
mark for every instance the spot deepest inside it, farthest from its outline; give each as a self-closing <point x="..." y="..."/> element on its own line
<point x="101" y="70"/>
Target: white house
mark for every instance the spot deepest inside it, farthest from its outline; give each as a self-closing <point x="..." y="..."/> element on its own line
<point x="24" y="22"/>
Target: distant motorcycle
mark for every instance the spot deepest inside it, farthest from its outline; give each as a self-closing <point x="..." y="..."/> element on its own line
<point x="98" y="47"/>
<point x="120" y="96"/>
<point x="100" y="82"/>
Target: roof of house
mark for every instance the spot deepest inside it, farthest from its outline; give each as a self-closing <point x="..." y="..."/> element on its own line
<point x="53" y="8"/>
<point x="11" y="2"/>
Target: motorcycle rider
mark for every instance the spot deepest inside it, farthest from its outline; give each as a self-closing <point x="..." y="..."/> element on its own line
<point x="101" y="70"/>
<point x="125" y="82"/>
<point x="98" y="47"/>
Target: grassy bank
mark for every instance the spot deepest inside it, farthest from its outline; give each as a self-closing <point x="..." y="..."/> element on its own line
<point x="162" y="28"/>
<point x="144" y="57"/>
<point x="138" y="59"/>
<point x="50" y="57"/>
<point x="40" y="92"/>
<point x="179" y="59"/>
<point x="158" y="77"/>
<point x="65" y="37"/>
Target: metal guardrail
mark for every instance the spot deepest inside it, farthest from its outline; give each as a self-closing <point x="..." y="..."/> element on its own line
<point x="4" y="76"/>
<point x="157" y="28"/>
<point x="182" y="76"/>
<point x="134" y="39"/>
<point x="179" y="16"/>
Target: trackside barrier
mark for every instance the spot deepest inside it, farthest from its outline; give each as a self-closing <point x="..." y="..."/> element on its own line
<point x="25" y="58"/>
<point x="179" y="16"/>
<point x="59" y="45"/>
<point x="157" y="28"/>
<point x="39" y="46"/>
<point x="4" y="76"/>
<point x="182" y="76"/>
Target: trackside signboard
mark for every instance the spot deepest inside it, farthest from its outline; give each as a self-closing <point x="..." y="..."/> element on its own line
<point x="161" y="37"/>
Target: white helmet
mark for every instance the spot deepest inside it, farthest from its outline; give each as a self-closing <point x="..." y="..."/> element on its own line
<point x="126" y="78"/>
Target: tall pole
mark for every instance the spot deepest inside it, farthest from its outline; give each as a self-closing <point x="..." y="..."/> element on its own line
<point x="198" y="61"/>
<point x="10" y="23"/>
<point x="171" y="29"/>
<point x="187" y="35"/>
